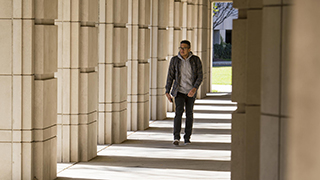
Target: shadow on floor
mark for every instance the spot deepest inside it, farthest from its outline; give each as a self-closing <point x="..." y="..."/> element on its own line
<point x="169" y="145"/>
<point x="163" y="163"/>
<point x="195" y="130"/>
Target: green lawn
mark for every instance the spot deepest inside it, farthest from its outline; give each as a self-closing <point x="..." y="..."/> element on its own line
<point x="222" y="75"/>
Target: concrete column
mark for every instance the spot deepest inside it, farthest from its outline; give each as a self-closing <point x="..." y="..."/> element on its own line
<point x="113" y="47"/>
<point x="190" y="19"/>
<point x="274" y="113"/>
<point x="77" y="80"/>
<point x="301" y="54"/>
<point x="159" y="63"/>
<point x="246" y="57"/>
<point x="184" y="19"/>
<point x="172" y="47"/>
<point x="210" y="47"/>
<point x="28" y="91"/>
<point x="201" y="44"/>
<point x="195" y="16"/>
<point x="138" y="66"/>
<point x="239" y="58"/>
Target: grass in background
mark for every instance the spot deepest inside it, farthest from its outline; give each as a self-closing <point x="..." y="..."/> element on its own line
<point x="222" y="75"/>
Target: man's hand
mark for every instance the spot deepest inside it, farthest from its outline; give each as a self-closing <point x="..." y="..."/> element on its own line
<point x="192" y="92"/>
<point x="169" y="97"/>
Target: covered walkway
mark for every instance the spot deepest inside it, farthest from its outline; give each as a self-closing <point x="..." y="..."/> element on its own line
<point x="150" y="154"/>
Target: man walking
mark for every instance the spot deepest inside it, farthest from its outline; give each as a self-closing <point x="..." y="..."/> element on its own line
<point x="186" y="71"/>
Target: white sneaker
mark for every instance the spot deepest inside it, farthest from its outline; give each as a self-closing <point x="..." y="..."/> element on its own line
<point x="176" y="142"/>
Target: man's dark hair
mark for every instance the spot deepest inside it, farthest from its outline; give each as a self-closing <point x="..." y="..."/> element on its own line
<point x="186" y="42"/>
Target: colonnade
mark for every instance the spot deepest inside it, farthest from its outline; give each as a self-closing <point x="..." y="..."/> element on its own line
<point x="75" y="74"/>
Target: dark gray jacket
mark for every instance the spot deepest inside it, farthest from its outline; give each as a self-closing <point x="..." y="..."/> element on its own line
<point x="174" y="73"/>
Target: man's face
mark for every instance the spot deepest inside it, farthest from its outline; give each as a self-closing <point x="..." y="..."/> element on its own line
<point x="184" y="49"/>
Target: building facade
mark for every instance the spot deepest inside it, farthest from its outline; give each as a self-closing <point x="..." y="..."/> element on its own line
<point x="224" y="31"/>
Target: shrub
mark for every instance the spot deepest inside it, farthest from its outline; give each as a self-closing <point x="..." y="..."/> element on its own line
<point x="222" y="50"/>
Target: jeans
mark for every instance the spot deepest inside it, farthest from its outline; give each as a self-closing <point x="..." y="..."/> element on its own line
<point x="181" y="101"/>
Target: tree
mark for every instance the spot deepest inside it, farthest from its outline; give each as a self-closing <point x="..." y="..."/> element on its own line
<point x="222" y="11"/>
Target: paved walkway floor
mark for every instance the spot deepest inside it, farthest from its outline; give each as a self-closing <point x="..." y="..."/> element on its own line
<point x="222" y="88"/>
<point x="150" y="154"/>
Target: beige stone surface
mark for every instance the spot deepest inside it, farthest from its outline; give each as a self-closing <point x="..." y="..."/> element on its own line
<point x="17" y="46"/>
<point x="240" y="4"/>
<point x="88" y="47"/>
<point x="120" y="16"/>
<point x="143" y="74"/>
<point x="271" y="60"/>
<point x="26" y="160"/>
<point x="119" y="126"/>
<point x="16" y="158"/>
<point x="238" y="146"/>
<point x="303" y="125"/>
<point x="75" y="90"/>
<point x="64" y="13"/>
<point x="6" y="103"/>
<point x="119" y="84"/>
<point x="65" y="90"/>
<point x="45" y="9"/>
<point x="269" y="147"/>
<point x="46" y="53"/>
<point x="177" y="40"/>
<point x="75" y="43"/>
<point x="87" y="143"/>
<point x="27" y="46"/>
<point x="288" y="2"/>
<point x="109" y="73"/>
<point x="89" y="10"/>
<point x="27" y="101"/>
<point x="144" y="10"/>
<point x="254" y="33"/>
<point x="285" y="66"/>
<point x="109" y="37"/>
<point x="5" y="50"/>
<point x="102" y="43"/>
<point x="120" y="45"/>
<point x="162" y="69"/>
<point x="162" y="47"/>
<point x="17" y="101"/>
<point x="6" y="154"/>
<point x="45" y="158"/>
<point x="108" y="10"/>
<point x="88" y="93"/>
<point x="272" y="2"/>
<point x="6" y="9"/>
<point x="144" y="45"/>
<point x="252" y="142"/>
<point x="66" y="44"/>
<point x="190" y="16"/>
<point x="284" y="136"/>
<point x="101" y="84"/>
<point x="163" y="13"/>
<point x="45" y="103"/>
<point x="255" y="3"/>
<point x="177" y="14"/>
